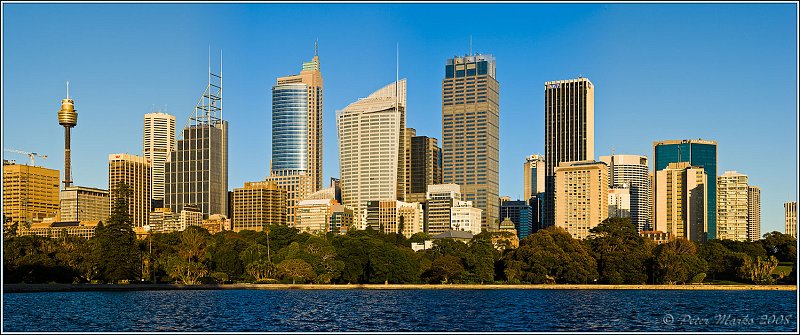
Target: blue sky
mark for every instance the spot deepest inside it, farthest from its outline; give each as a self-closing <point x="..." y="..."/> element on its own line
<point x="726" y="72"/>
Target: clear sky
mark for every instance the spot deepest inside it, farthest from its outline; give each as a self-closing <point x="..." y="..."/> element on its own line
<point x="725" y="72"/>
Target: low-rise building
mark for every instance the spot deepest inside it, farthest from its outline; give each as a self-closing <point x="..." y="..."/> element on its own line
<point x="464" y="217"/>
<point x="85" y="229"/>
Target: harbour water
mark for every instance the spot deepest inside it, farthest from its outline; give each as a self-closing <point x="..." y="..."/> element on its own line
<point x="401" y="311"/>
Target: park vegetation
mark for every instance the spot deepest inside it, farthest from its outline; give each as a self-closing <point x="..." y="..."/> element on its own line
<point x="615" y="254"/>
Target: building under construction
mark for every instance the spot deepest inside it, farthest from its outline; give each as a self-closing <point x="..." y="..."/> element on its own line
<point x="197" y="169"/>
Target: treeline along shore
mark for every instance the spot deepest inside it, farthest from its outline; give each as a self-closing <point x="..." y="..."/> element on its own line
<point x="33" y="288"/>
<point x="615" y="255"/>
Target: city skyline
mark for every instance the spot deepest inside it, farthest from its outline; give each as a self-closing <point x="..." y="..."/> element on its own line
<point x="100" y="80"/>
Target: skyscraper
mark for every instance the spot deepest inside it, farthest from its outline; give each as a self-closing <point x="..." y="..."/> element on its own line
<point x="732" y="209"/>
<point x="581" y="198"/>
<point x="700" y="153"/>
<point x="440" y="200"/>
<point x="532" y="176"/>
<point x="159" y="141"/>
<point x="632" y="170"/>
<point x="753" y="213"/>
<point x="133" y="171"/>
<point x="470" y="131"/>
<point x="569" y="131"/>
<point x="425" y="167"/>
<point x="30" y="193"/>
<point x="258" y="204"/>
<point x="80" y="203"/>
<point x="371" y="147"/>
<point x="680" y="201"/>
<point x="790" y="218"/>
<point x="296" y="164"/>
<point x="197" y="170"/>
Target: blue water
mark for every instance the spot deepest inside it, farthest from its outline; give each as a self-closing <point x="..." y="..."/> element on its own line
<point x="402" y="310"/>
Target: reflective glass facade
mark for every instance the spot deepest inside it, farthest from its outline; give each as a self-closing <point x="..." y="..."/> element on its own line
<point x="698" y="153"/>
<point x="289" y="127"/>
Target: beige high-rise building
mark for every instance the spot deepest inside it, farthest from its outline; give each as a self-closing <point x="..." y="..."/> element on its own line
<point x="581" y="198"/>
<point x="30" y="193"/>
<point x="790" y="218"/>
<point x="258" y="204"/>
<point x="313" y="216"/>
<point x="471" y="131"/>
<point x="159" y="141"/>
<point x="568" y="133"/>
<point x="681" y="192"/>
<point x="135" y="172"/>
<point x="753" y="213"/>
<point x="619" y="202"/>
<point x="80" y="203"/>
<point x="296" y="164"/>
<point x="440" y="200"/>
<point x="732" y="200"/>
<point x="371" y="148"/>
<point x="394" y="217"/>
<point x="532" y="176"/>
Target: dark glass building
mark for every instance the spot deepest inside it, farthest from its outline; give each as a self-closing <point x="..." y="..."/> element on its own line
<point x="521" y="213"/>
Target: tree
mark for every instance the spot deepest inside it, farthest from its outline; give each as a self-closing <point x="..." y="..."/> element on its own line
<point x="619" y="251"/>
<point x="480" y="260"/>
<point x="782" y="246"/>
<point x="192" y="254"/>
<point x="116" y="243"/>
<point x="759" y="271"/>
<point x="677" y="262"/>
<point x="296" y="269"/>
<point x="550" y="255"/>
<point x="445" y="268"/>
<point x="261" y="269"/>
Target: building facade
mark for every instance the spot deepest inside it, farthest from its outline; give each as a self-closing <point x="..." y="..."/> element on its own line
<point x="790" y="218"/>
<point x="700" y="153"/>
<point x="732" y="206"/>
<point x="680" y="201"/>
<point x="581" y="198"/>
<point x="394" y="217"/>
<point x="470" y="131"/>
<point x="533" y="176"/>
<point x="313" y="216"/>
<point x="341" y="219"/>
<point x="296" y="163"/>
<point x="133" y="171"/>
<point x="753" y="213"/>
<point x="425" y="167"/>
<point x="439" y="203"/>
<point x="197" y="170"/>
<point x="257" y="205"/>
<point x="568" y="134"/>
<point x="633" y="171"/>
<point x="30" y="193"/>
<point x="465" y="217"/>
<point x="521" y="214"/>
<point x="619" y="202"/>
<point x="158" y="142"/>
<point x="371" y="153"/>
<point x="79" y="204"/>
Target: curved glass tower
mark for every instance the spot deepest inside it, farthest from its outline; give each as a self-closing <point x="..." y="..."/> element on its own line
<point x="289" y="127"/>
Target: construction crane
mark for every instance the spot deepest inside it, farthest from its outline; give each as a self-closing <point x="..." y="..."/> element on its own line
<point x="31" y="155"/>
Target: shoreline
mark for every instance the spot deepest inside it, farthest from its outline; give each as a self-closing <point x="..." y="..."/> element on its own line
<point x="33" y="288"/>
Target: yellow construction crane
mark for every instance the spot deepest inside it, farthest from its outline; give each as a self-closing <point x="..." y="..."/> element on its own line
<point x="31" y="155"/>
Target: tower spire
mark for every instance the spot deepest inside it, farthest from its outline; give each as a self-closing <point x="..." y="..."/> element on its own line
<point x="316" y="47"/>
<point x="67" y="89"/>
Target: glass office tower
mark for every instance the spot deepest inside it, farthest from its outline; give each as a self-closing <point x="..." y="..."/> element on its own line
<point x="700" y="153"/>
